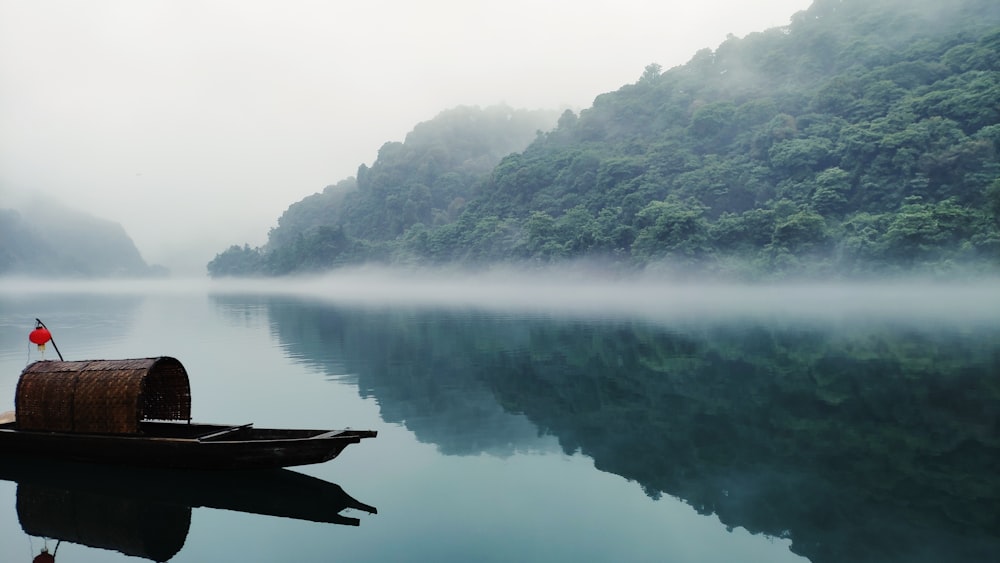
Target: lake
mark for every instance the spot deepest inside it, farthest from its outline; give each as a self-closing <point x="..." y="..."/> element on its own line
<point x="541" y="421"/>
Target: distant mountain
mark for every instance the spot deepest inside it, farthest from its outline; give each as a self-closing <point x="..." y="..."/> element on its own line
<point x="424" y="181"/>
<point x="859" y="140"/>
<point x="43" y="238"/>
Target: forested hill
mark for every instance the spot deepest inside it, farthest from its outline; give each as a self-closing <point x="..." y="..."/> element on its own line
<point x="43" y="238"/>
<point x="861" y="139"/>
<point x="425" y="180"/>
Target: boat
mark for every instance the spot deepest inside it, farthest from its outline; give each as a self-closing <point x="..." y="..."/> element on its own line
<point x="147" y="512"/>
<point x="137" y="412"/>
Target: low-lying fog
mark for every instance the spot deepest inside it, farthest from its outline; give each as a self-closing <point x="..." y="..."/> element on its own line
<point x="574" y="293"/>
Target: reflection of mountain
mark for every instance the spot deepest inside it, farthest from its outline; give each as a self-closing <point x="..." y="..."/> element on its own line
<point x="870" y="446"/>
<point x="860" y="443"/>
<point x="147" y="513"/>
<point x="424" y="372"/>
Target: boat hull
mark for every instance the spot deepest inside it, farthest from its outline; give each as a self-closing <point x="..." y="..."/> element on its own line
<point x="184" y="446"/>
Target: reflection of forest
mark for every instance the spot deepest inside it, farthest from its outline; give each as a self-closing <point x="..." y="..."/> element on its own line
<point x="859" y="443"/>
<point x="426" y="372"/>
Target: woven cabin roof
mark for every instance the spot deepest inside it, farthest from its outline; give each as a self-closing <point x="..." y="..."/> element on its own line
<point x="102" y="396"/>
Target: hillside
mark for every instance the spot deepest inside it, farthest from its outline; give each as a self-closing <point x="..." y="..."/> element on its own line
<point x="859" y="140"/>
<point x="46" y="239"/>
<point x="425" y="180"/>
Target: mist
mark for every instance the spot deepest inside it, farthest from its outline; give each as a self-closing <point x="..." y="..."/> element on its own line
<point x="564" y="293"/>
<point x="195" y="125"/>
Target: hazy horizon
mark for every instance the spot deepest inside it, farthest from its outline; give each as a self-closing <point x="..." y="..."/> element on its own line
<point x="563" y="292"/>
<point x="195" y="125"/>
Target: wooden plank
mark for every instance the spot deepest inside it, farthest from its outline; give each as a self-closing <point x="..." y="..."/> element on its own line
<point x="229" y="430"/>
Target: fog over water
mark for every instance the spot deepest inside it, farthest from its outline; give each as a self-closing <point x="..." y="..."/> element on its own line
<point x="196" y="124"/>
<point x="592" y="418"/>
<point x="564" y="295"/>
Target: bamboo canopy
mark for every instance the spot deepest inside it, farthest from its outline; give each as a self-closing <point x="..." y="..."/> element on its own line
<point x="101" y="396"/>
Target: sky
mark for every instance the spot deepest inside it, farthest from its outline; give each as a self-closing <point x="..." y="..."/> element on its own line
<point x="196" y="123"/>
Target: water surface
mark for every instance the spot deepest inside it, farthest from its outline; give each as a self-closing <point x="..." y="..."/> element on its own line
<point x="819" y="430"/>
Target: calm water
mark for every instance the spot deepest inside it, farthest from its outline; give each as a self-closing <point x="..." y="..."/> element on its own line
<point x="862" y="433"/>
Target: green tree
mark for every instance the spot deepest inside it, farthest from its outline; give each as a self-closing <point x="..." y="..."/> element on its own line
<point x="926" y="231"/>
<point x="801" y="232"/>
<point x="993" y="200"/>
<point x="671" y="229"/>
<point x="833" y="186"/>
<point x="236" y="261"/>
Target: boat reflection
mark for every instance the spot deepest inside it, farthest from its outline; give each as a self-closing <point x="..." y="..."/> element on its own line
<point x="147" y="513"/>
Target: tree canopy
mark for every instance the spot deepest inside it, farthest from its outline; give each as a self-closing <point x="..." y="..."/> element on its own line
<point x="859" y="140"/>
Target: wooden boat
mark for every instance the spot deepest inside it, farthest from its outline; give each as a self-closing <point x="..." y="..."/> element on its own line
<point x="137" y="412"/>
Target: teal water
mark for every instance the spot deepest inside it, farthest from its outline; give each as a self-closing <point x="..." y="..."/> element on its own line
<point x="541" y="433"/>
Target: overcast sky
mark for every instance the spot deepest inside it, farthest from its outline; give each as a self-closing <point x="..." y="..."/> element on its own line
<point x="195" y="124"/>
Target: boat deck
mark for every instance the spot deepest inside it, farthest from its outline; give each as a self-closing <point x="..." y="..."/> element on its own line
<point x="208" y="432"/>
<point x="222" y="432"/>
